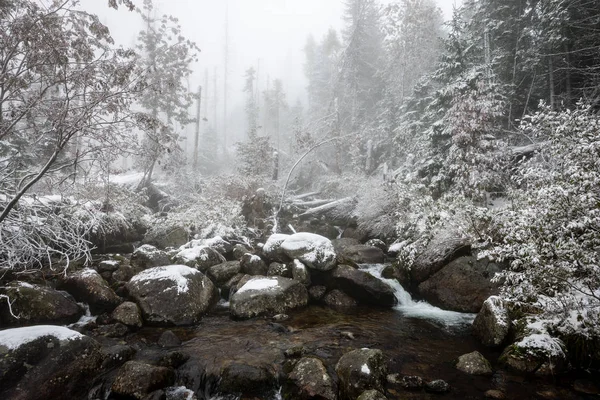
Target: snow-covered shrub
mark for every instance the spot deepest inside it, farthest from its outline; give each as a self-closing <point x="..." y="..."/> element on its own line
<point x="111" y="209"/>
<point x="41" y="232"/>
<point x="551" y="233"/>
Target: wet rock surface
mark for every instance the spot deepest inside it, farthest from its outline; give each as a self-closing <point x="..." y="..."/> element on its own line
<point x="38" y="364"/>
<point x="172" y="295"/>
<point x="35" y="304"/>
<point x="89" y="287"/>
<point x="263" y="295"/>
<point x="360" y="370"/>
<point x="462" y="285"/>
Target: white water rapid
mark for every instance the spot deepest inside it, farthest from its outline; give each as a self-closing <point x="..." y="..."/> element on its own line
<point x="418" y="309"/>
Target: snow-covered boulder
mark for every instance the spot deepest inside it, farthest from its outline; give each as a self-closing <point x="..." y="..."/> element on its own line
<point x="87" y="286"/>
<point x="35" y="304"/>
<point x="60" y="363"/>
<point x="309" y="379"/>
<point x="360" y="370"/>
<point x="136" y="379"/>
<point x="261" y="295"/>
<point x="216" y="243"/>
<point x="163" y="235"/>
<point x="537" y="353"/>
<point x="363" y="286"/>
<point x="148" y="256"/>
<point x="492" y="324"/>
<point x="474" y="363"/>
<point x="272" y="248"/>
<point x="253" y="265"/>
<point x="314" y="251"/>
<point x="300" y="273"/>
<point x="200" y="257"/>
<point x="172" y="295"/>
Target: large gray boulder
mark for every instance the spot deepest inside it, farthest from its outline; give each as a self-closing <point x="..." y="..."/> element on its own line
<point x="87" y="286"/>
<point x="474" y="363"/>
<point x="462" y="285"/>
<point x="272" y="248"/>
<point x="312" y="250"/>
<point x="221" y="273"/>
<point x="363" y="286"/>
<point x="199" y="257"/>
<point x="349" y="249"/>
<point x="136" y="379"/>
<point x="492" y="324"/>
<point x="309" y="380"/>
<point x="537" y="353"/>
<point x="128" y="314"/>
<point x="172" y="295"/>
<point x="360" y="370"/>
<point x="148" y="256"/>
<point x="261" y="295"/>
<point x="35" y="304"/>
<point x="253" y="265"/>
<point x="442" y="249"/>
<point x="47" y="362"/>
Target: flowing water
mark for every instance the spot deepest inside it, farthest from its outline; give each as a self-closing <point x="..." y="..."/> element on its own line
<point x="415" y="337"/>
<point x="419" y="309"/>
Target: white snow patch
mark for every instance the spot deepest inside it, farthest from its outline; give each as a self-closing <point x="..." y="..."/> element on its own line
<point x="259" y="284"/>
<point x="255" y="259"/>
<point x="274" y="241"/>
<point x="543" y="342"/>
<point x="176" y="273"/>
<point x="299" y="265"/>
<point x="365" y="369"/>
<point x="193" y="254"/>
<point x="396" y="247"/>
<point x="16" y="337"/>
<point x="315" y="248"/>
<point x="88" y="273"/>
<point x="26" y="285"/>
<point x="129" y="179"/>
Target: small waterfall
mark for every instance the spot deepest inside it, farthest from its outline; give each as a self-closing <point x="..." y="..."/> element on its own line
<point x="418" y="309"/>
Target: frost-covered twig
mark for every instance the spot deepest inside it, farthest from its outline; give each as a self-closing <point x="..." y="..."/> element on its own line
<point x="10" y="310"/>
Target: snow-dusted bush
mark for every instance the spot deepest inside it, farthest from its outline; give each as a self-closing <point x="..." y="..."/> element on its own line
<point x="551" y="233"/>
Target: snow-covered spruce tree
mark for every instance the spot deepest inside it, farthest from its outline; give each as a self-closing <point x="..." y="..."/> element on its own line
<point x="65" y="97"/>
<point x="551" y="233"/>
<point x="167" y="57"/>
<point x="255" y="153"/>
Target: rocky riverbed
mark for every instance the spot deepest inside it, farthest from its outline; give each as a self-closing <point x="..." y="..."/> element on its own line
<point x="299" y="317"/>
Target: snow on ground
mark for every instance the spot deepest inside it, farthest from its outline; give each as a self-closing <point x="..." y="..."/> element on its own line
<point x="175" y="273"/>
<point x="129" y="179"/>
<point x="16" y="337"/>
<point x="259" y="284"/>
<point x="365" y="369"/>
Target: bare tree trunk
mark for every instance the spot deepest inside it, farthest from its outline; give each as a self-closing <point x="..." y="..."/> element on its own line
<point x="551" y="81"/>
<point x="197" y="136"/>
<point x="225" y="76"/>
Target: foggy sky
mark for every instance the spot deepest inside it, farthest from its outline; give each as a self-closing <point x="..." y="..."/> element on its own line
<point x="267" y="34"/>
